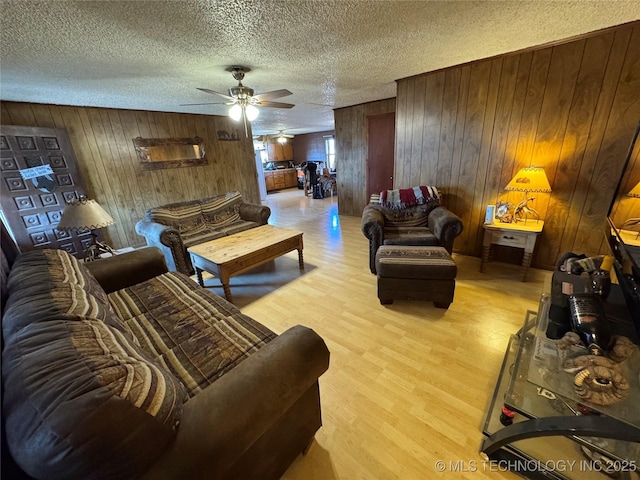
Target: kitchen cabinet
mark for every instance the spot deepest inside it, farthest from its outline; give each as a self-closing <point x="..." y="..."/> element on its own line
<point x="278" y="179"/>
<point x="268" y="180"/>
<point x="291" y="177"/>
<point x="278" y="152"/>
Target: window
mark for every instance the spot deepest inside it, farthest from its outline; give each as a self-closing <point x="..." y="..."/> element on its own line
<point x="330" y="152"/>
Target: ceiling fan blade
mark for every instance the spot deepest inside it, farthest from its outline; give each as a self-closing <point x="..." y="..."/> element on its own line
<point x="276" y="104"/>
<point x="192" y="104"/>
<point x="206" y="90"/>
<point x="272" y="95"/>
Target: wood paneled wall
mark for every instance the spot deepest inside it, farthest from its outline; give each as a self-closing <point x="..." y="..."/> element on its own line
<point x="310" y="147"/>
<point x="351" y="153"/>
<point x="571" y="108"/>
<point x="102" y="141"/>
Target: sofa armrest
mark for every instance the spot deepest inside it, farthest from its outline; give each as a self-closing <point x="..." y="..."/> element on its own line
<point x="169" y="241"/>
<point x="126" y="269"/>
<point x="445" y="225"/>
<point x="156" y="233"/>
<point x="372" y="221"/>
<point x="373" y="228"/>
<point x="253" y="212"/>
<point x="220" y="423"/>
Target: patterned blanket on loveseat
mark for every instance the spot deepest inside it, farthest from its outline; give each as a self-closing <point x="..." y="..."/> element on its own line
<point x="177" y="226"/>
<point x="205" y="219"/>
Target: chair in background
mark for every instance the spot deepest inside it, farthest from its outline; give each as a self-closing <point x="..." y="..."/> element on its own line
<point x="328" y="183"/>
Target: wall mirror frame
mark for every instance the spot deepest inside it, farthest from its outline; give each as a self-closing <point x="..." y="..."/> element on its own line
<point x="622" y="233"/>
<point x="159" y="153"/>
<point x="624" y="211"/>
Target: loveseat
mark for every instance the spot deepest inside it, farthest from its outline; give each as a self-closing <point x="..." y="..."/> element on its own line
<point x="177" y="226"/>
<point x="119" y="369"/>
<point x="411" y="216"/>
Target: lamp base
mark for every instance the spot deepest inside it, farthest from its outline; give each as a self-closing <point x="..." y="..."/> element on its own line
<point x="523" y="208"/>
<point x="96" y="248"/>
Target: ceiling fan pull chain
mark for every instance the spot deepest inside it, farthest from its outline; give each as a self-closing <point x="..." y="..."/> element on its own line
<point x="244" y="120"/>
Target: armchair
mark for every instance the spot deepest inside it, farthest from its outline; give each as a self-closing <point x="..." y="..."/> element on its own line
<point x="408" y="222"/>
<point x="177" y="226"/>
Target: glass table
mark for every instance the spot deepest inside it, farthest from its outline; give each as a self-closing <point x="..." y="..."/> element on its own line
<point x="545" y="429"/>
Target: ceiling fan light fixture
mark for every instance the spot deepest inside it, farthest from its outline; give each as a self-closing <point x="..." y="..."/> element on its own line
<point x="244" y="100"/>
<point x="252" y="112"/>
<point x="235" y="112"/>
<point x="282" y="140"/>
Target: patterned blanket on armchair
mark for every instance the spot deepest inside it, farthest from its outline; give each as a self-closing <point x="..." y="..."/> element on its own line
<point x="408" y="197"/>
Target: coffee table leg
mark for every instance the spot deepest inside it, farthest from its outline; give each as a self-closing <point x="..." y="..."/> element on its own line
<point x="300" y="259"/>
<point x="227" y="292"/>
<point x="199" y="276"/>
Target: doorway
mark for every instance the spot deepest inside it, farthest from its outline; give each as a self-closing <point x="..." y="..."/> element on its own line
<point x="381" y="135"/>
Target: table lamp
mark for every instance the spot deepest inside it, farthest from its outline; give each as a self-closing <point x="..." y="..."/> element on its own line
<point x="529" y="179"/>
<point x="85" y="214"/>
<point x="635" y="191"/>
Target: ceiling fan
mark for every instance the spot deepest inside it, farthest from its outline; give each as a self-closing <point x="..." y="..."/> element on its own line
<point x="280" y="137"/>
<point x="243" y="100"/>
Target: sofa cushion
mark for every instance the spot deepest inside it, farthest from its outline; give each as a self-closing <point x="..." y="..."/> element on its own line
<point x="196" y="335"/>
<point x="202" y="234"/>
<point x="235" y="227"/>
<point x="165" y="296"/>
<point x="27" y="272"/>
<point x="83" y="399"/>
<point x="183" y="216"/>
<point x="408" y="217"/>
<point x="222" y="209"/>
<point x="63" y="301"/>
<point x="409" y="236"/>
<point x="47" y="285"/>
<point x="205" y="354"/>
<point x="415" y="262"/>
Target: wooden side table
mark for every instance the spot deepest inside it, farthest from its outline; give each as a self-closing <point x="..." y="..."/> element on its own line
<point x="519" y="235"/>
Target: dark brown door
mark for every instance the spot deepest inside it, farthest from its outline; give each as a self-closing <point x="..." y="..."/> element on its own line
<point x="381" y="137"/>
<point x="39" y="176"/>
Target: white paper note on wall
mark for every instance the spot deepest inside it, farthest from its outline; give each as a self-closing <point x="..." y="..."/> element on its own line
<point x="39" y="171"/>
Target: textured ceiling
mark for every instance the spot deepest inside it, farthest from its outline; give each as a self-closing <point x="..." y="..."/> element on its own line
<point x="151" y="55"/>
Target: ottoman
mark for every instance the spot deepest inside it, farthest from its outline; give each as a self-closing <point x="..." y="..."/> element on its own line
<point x="415" y="272"/>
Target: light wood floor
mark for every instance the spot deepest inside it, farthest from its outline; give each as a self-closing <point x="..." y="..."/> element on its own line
<point x="408" y="384"/>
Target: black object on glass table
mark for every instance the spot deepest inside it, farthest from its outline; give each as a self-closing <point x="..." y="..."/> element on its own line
<point x="589" y="321"/>
<point x="575" y="273"/>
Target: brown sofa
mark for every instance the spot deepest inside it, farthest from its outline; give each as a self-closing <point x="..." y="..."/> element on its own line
<point x="424" y="224"/>
<point x="177" y="226"/>
<point x="120" y="369"/>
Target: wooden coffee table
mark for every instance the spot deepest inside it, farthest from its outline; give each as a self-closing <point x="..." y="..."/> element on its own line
<point x="237" y="253"/>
